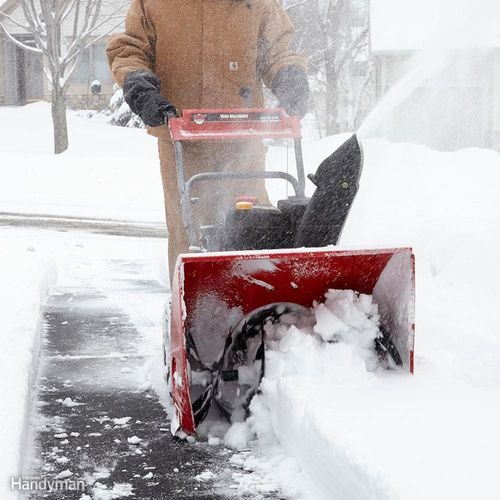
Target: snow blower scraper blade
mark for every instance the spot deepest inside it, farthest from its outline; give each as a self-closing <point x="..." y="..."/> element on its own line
<point x="222" y="301"/>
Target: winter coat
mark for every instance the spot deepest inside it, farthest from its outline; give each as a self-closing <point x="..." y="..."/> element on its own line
<point x="207" y="53"/>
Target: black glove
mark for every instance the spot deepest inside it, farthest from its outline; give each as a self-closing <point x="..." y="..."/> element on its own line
<point x="291" y="87"/>
<point x="141" y="92"/>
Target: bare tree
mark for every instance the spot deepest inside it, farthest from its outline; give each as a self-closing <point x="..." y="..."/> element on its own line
<point x="62" y="30"/>
<point x="334" y="35"/>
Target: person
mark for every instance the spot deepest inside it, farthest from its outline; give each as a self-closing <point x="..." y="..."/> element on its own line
<point x="192" y="54"/>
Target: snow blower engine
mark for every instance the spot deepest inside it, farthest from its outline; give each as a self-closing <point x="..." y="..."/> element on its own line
<point x="260" y="265"/>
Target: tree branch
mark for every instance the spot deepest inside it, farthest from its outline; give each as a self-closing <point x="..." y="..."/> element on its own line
<point x="26" y="27"/>
<point x="20" y="44"/>
<point x="348" y="51"/>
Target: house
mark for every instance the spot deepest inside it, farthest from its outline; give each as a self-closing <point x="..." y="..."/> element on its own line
<point x="449" y="56"/>
<point x="22" y="78"/>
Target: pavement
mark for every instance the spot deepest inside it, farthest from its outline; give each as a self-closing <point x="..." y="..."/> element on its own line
<point x="95" y="417"/>
<point x="90" y="408"/>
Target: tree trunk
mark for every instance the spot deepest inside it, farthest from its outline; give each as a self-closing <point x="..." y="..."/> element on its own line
<point x="59" y="121"/>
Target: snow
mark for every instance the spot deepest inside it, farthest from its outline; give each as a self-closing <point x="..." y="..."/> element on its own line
<point x="119" y="490"/>
<point x="368" y="435"/>
<point x="338" y="348"/>
<point x="206" y="475"/>
<point x="108" y="173"/>
<point x="64" y="474"/>
<point x="134" y="440"/>
<point x="440" y="426"/>
<point x="122" y="421"/>
<point x="25" y="276"/>
<point x="238" y="436"/>
<point x="69" y="403"/>
<point x="266" y="473"/>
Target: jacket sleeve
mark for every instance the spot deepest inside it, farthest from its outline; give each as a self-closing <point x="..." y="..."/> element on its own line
<point x="133" y="49"/>
<point x="276" y="34"/>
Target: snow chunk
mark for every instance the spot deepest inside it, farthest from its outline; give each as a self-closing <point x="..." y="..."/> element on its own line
<point x="214" y="441"/>
<point x="134" y="440"/>
<point x="206" y="475"/>
<point x="238" y="436"/>
<point x="122" y="421"/>
<point x="64" y="474"/>
<point x="69" y="403"/>
<point x="178" y="379"/>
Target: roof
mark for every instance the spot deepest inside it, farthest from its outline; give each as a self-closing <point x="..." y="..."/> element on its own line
<point x="409" y="25"/>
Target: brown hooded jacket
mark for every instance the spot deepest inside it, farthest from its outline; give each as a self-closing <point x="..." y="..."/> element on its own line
<point x="207" y="53"/>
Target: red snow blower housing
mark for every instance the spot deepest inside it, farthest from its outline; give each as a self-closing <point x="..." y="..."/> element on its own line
<point x="241" y="278"/>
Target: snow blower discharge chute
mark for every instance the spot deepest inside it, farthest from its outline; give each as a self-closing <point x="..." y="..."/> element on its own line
<point x="268" y="265"/>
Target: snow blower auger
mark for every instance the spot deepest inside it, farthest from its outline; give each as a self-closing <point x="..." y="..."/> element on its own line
<point x="266" y="266"/>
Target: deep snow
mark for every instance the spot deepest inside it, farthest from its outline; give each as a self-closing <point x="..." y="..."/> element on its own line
<point x="26" y="274"/>
<point x="432" y="435"/>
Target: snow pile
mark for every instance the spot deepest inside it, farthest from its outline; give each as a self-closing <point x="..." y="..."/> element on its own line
<point x="351" y="319"/>
<point x="25" y="276"/>
<point x="339" y="348"/>
<point x="372" y="436"/>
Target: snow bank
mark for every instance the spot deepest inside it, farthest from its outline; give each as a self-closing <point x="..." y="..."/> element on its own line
<point x="433" y="435"/>
<point x="25" y="276"/>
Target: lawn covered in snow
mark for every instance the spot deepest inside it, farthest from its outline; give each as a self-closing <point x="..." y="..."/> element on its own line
<point x="378" y="435"/>
<point x="107" y="173"/>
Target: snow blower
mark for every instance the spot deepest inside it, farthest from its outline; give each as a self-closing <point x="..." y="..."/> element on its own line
<point x="260" y="265"/>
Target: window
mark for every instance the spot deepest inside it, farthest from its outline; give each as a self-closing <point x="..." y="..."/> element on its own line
<point x="101" y="66"/>
<point x="82" y="71"/>
<point x="93" y="65"/>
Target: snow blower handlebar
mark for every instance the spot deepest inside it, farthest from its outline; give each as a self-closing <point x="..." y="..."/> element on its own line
<point x="231" y="125"/>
